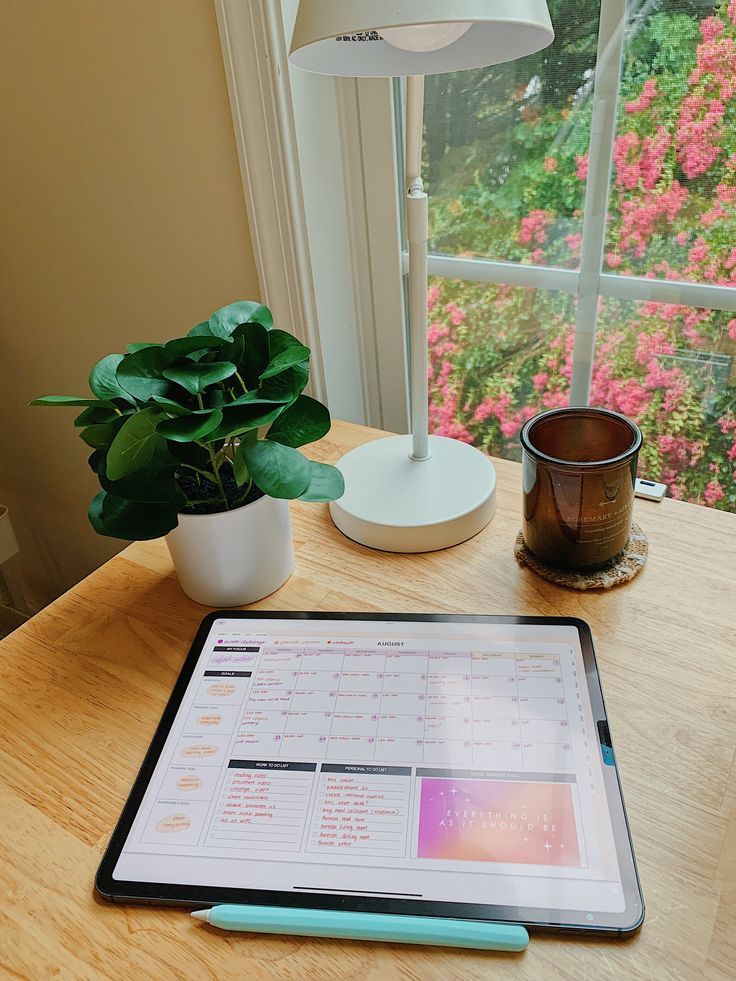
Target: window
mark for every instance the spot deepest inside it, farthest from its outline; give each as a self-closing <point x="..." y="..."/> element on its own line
<point x="604" y="269"/>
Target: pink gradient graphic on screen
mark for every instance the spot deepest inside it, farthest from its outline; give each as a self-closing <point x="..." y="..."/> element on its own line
<point x="497" y="821"/>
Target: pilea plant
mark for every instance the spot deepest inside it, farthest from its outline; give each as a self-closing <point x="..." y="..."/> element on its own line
<point x="202" y="424"/>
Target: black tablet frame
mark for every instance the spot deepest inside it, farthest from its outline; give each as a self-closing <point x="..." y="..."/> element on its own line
<point x="585" y="921"/>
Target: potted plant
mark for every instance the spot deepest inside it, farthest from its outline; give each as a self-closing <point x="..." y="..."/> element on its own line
<point x="196" y="439"/>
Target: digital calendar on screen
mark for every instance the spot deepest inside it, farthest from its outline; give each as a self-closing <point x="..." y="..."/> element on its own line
<point x="454" y="762"/>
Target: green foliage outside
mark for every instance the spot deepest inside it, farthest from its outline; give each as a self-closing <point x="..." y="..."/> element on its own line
<point x="507" y="157"/>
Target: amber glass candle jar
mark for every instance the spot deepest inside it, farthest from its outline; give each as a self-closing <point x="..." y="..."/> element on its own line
<point x="579" y="468"/>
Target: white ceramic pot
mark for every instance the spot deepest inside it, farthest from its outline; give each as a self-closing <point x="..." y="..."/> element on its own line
<point x="234" y="557"/>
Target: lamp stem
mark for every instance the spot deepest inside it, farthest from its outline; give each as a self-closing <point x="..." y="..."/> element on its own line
<point x="417" y="230"/>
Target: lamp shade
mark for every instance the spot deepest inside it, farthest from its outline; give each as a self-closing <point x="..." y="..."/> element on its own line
<point x="379" y="38"/>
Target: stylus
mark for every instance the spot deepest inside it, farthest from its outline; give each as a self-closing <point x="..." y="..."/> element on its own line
<point x="367" y="926"/>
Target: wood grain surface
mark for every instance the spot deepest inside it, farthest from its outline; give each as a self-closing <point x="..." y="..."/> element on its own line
<point x="83" y="684"/>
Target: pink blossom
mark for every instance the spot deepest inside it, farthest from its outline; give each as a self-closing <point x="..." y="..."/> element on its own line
<point x="714" y="60"/>
<point x="581" y="162"/>
<point x="650" y="346"/>
<point x="457" y="316"/>
<point x="573" y="241"/>
<point x="699" y="252"/>
<point x="641" y="216"/>
<point x="681" y="238"/>
<point x="645" y="99"/>
<point x="556" y="399"/>
<point x="654" y="152"/>
<point x="699" y="134"/>
<point x="541" y="379"/>
<point x="436" y="332"/>
<point x="483" y="411"/>
<point x="550" y="164"/>
<point x="713" y="492"/>
<point x="711" y="27"/>
<point x="627" y="164"/>
<point x="433" y="295"/>
<point x="612" y="260"/>
<point x="532" y="227"/>
<point x="497" y="406"/>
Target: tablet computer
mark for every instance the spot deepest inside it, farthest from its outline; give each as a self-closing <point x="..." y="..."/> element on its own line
<point x="456" y="766"/>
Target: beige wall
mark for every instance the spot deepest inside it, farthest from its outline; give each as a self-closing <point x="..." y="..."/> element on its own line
<point x="121" y="219"/>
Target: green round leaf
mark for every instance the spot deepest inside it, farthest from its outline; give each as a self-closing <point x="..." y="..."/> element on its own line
<point x="240" y="468"/>
<point x="182" y="346"/>
<point x="284" y="351"/>
<point x="224" y="321"/>
<point x="132" y="348"/>
<point x="101" y="436"/>
<point x="326" y="483"/>
<point x="200" y="330"/>
<point x="154" y="484"/>
<point x="103" y="379"/>
<point x="278" y="470"/>
<point x="254" y="359"/>
<point x="66" y="400"/>
<point x="286" y="386"/>
<point x="96" y="461"/>
<point x="196" y="377"/>
<point x="131" y="520"/>
<point x="95" y="415"/>
<point x="196" y="425"/>
<point x="173" y="408"/>
<point x="256" y="397"/>
<point x="239" y="419"/>
<point x="191" y="454"/>
<point x="135" y="444"/>
<point x="140" y="374"/>
<point x="303" y="422"/>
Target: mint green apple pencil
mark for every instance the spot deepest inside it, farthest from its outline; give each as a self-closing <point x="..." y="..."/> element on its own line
<point x="367" y="926"/>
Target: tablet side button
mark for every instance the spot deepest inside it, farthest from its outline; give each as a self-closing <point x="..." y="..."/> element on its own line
<point x="604" y="736"/>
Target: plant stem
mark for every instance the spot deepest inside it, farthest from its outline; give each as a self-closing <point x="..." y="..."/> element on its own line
<point x="202" y="473"/>
<point x="218" y="479"/>
<point x="245" y="387"/>
<point x="243" y="497"/>
<point x="213" y="461"/>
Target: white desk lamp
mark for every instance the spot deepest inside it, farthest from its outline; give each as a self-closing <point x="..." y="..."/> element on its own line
<point x="420" y="492"/>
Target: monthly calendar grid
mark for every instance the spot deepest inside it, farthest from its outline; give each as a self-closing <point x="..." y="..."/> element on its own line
<point x="462" y="715"/>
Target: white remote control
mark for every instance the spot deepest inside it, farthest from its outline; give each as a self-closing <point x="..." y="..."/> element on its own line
<point x="650" y="489"/>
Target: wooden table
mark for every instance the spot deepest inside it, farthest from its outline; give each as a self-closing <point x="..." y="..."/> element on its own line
<point x="83" y="684"/>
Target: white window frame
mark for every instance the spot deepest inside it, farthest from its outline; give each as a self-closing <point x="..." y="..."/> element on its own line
<point x="301" y="142"/>
<point x="321" y="160"/>
<point x="589" y="282"/>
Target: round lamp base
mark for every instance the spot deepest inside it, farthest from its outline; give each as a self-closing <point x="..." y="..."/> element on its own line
<point x="397" y="504"/>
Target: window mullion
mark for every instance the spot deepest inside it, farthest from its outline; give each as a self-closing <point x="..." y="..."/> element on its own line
<point x="498" y="271"/>
<point x="600" y="159"/>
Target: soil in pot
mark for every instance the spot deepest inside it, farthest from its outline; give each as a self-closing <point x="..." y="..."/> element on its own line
<point x="208" y="497"/>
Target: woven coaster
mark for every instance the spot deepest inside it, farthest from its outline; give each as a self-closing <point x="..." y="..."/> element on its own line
<point x="619" y="570"/>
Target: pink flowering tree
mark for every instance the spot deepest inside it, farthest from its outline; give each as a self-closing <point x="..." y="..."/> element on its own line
<point x="500" y="354"/>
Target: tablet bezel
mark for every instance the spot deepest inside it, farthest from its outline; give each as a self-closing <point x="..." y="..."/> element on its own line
<point x="534" y="918"/>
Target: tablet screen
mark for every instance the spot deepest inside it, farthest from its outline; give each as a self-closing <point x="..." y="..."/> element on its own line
<point x="453" y="762"/>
